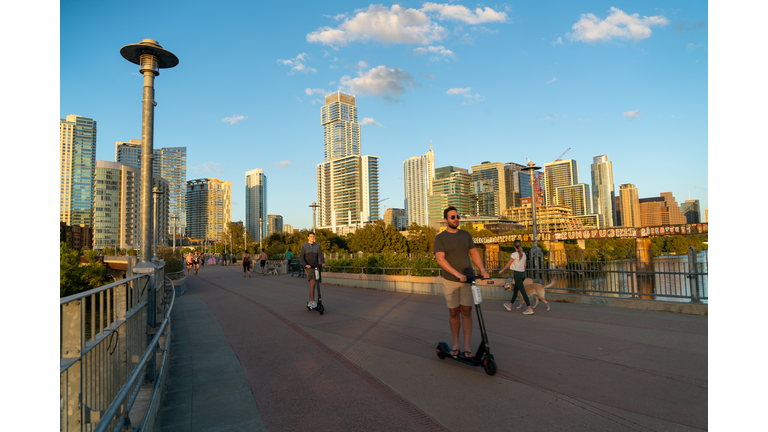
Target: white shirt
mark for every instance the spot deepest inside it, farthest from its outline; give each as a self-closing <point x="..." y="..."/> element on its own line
<point x="519" y="263"/>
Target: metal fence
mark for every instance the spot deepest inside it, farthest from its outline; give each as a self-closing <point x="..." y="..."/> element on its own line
<point x="668" y="275"/>
<point x="108" y="340"/>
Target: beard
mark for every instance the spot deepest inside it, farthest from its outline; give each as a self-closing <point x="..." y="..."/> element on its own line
<point x="453" y="223"/>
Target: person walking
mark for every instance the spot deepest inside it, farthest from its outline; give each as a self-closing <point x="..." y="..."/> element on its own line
<point x="247" y="263"/>
<point x="517" y="262"/>
<point x="453" y="249"/>
<point x="197" y="260"/>
<point x="311" y="256"/>
<point x="223" y="258"/>
<point x="188" y="259"/>
<point x="263" y="261"/>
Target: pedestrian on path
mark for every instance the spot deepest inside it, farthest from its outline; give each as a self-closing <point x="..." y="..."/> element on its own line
<point x="262" y="261"/>
<point x="223" y="259"/>
<point x="453" y="248"/>
<point x="197" y="260"/>
<point x="247" y="263"/>
<point x="311" y="256"/>
<point x="189" y="262"/>
<point x="517" y="262"/>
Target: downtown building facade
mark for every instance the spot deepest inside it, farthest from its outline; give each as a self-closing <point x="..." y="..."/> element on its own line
<point x="691" y="210"/>
<point x="497" y="186"/>
<point x="630" y="206"/>
<point x="347" y="183"/>
<point x="560" y="183"/>
<point x="275" y="222"/>
<point x="256" y="221"/>
<point x="660" y="211"/>
<point x="169" y="163"/>
<point x="603" y="195"/>
<point x="209" y="208"/>
<point x="418" y="175"/>
<point x="450" y="187"/>
<point x="77" y="160"/>
<point x="397" y="218"/>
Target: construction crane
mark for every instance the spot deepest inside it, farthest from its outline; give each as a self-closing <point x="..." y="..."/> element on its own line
<point x="537" y="180"/>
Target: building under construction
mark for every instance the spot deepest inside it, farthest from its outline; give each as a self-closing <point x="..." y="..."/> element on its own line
<point x="549" y="218"/>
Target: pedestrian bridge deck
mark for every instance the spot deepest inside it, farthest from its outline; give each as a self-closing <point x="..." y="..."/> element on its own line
<point x="247" y="355"/>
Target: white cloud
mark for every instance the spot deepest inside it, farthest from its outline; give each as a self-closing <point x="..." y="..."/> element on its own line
<point x="234" y="119"/>
<point x="381" y="81"/>
<point x="455" y="91"/>
<point x="297" y="64"/>
<point x="466" y="93"/>
<point x="380" y="24"/>
<point x="282" y="164"/>
<point x="462" y="13"/>
<point x="552" y="80"/>
<point x="207" y="167"/>
<point x="314" y="101"/>
<point x="310" y="91"/>
<point x="559" y="41"/>
<point x="369" y="120"/>
<point x="591" y="29"/>
<point x="439" y="50"/>
<point x="399" y="25"/>
<point x="632" y="114"/>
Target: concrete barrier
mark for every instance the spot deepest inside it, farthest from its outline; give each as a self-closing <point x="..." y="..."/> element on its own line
<point x="493" y="289"/>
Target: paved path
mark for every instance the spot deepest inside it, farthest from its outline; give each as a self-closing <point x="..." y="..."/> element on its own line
<point x="247" y="355"/>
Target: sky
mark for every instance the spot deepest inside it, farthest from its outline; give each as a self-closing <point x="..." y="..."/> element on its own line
<point x="498" y="82"/>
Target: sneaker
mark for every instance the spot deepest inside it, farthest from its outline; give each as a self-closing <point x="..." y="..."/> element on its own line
<point x="508" y="307"/>
<point x="528" y="312"/>
<point x="314" y="305"/>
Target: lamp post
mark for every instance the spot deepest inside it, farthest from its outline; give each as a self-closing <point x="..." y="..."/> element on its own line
<point x="535" y="252"/>
<point x="261" y="235"/>
<point x="314" y="210"/>
<point x="151" y="57"/>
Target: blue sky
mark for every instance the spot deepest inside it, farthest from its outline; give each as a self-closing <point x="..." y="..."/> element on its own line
<point x="483" y="82"/>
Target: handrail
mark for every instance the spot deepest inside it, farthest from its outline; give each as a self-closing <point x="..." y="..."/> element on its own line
<point x="111" y="412"/>
<point x="96" y="290"/>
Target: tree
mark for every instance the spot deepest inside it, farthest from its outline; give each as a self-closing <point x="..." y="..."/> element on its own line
<point x="74" y="277"/>
<point x="236" y="232"/>
<point x="421" y="239"/>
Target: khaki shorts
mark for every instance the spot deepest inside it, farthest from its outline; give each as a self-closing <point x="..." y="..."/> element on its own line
<point x="457" y="293"/>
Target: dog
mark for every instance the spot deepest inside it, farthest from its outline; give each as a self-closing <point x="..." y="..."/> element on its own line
<point x="539" y="290"/>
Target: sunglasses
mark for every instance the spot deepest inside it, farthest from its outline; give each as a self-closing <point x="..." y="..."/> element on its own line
<point x="454" y="217"/>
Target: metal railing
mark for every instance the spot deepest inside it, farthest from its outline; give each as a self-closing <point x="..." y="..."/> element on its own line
<point x="667" y="275"/>
<point x="109" y="339"/>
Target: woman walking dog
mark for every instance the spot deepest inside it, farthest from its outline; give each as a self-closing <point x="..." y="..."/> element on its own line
<point x="517" y="263"/>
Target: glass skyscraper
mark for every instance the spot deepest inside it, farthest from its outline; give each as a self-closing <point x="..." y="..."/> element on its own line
<point x="418" y="173"/>
<point x="169" y="163"/>
<point x="77" y="158"/>
<point x="209" y="208"/>
<point x="256" y="203"/>
<point x="603" y="195"/>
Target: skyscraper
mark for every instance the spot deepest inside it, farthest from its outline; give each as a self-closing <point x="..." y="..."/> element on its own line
<point x="396" y="217"/>
<point x="451" y="187"/>
<point x="347" y="183"/>
<point x="519" y="184"/>
<point x="275" y="224"/>
<point x="630" y="206"/>
<point x="491" y="189"/>
<point x="558" y="174"/>
<point x="77" y="151"/>
<point x="691" y="211"/>
<point x="418" y="173"/>
<point x="603" y="196"/>
<point x="660" y="211"/>
<point x="116" y="206"/>
<point x="169" y="163"/>
<point x="209" y="208"/>
<point x="256" y="203"/>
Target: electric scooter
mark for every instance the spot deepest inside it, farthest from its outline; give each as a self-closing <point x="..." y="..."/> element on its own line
<point x="319" y="306"/>
<point x="483" y="356"/>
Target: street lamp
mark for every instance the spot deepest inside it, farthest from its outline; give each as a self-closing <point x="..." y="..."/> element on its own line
<point x="156" y="193"/>
<point x="151" y="57"/>
<point x="314" y="210"/>
<point x="535" y="252"/>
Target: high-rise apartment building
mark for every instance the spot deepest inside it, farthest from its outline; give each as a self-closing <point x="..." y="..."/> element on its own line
<point x="558" y="174"/>
<point x="347" y="183"/>
<point x="209" y="208"/>
<point x="451" y="187"/>
<point x="256" y="204"/>
<point x="77" y="160"/>
<point x="287" y="229"/>
<point x="660" y="211"/>
<point x="341" y="131"/>
<point x="691" y="211"/>
<point x="169" y="163"/>
<point x="603" y="196"/>
<point x="491" y="189"/>
<point x="396" y="217"/>
<point x="275" y="224"/>
<point x="418" y="174"/>
<point x="116" y="206"/>
<point x="630" y="206"/>
<point x="577" y="197"/>
<point x="519" y="184"/>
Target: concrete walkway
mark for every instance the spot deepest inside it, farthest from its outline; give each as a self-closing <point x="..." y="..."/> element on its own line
<point x="248" y="356"/>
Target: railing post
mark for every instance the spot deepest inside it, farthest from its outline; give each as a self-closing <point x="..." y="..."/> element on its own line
<point x="693" y="276"/>
<point x="583" y="274"/>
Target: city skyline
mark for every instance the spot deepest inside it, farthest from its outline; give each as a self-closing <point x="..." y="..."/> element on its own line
<point x="497" y="83"/>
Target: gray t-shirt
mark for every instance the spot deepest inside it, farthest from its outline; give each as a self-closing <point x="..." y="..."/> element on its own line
<point x="456" y="247"/>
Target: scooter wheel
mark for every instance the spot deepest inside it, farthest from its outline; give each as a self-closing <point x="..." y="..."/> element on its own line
<point x="489" y="365"/>
<point x="321" y="309"/>
<point x="440" y="353"/>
